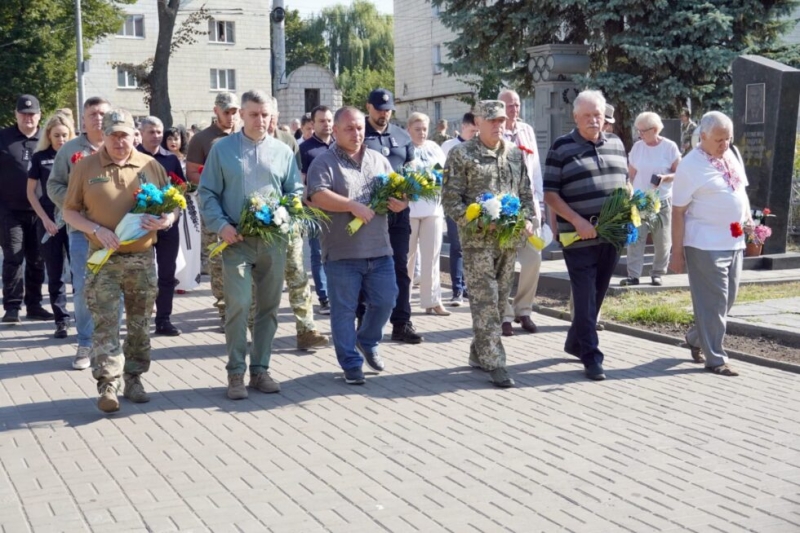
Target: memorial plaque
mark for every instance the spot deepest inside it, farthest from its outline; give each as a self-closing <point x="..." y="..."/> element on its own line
<point x="764" y="130"/>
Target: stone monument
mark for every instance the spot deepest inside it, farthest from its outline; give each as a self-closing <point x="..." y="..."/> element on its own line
<point x="764" y="131"/>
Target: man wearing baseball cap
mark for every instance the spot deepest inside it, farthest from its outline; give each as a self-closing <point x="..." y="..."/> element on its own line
<point x="394" y="144"/>
<point x="18" y="219"/>
<point x="226" y="110"/>
<point x="488" y="163"/>
<point x="101" y="192"/>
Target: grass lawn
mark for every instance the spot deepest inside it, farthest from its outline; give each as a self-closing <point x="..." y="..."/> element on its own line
<point x="675" y="307"/>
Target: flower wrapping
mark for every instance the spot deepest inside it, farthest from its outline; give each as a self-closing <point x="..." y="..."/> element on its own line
<point x="501" y="217"/>
<point x="274" y="217"/>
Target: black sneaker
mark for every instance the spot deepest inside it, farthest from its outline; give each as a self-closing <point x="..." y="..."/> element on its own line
<point x="627" y="282"/>
<point x="11" y="317"/>
<point x="595" y="372"/>
<point x="61" y="330"/>
<point x="406" y="333"/>
<point x="354" y="376"/>
<point x="39" y="313"/>
<point x="167" y="329"/>
<point x="373" y="359"/>
<point x="324" y="307"/>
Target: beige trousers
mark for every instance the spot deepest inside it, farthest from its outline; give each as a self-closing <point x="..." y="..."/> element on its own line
<point x="530" y="260"/>
<point x="427" y="233"/>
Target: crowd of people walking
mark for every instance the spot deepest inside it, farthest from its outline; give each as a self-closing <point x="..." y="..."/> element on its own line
<point x="65" y="193"/>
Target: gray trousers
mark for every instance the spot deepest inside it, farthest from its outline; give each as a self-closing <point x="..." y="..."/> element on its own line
<point x="714" y="282"/>
<point x="662" y="243"/>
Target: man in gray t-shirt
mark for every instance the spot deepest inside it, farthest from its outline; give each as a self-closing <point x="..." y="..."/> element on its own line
<point x="340" y="182"/>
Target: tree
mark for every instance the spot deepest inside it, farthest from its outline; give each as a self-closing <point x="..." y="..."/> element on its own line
<point x="358" y="83"/>
<point x="154" y="72"/>
<point x="37" y="43"/>
<point x="646" y="55"/>
<point x="303" y="44"/>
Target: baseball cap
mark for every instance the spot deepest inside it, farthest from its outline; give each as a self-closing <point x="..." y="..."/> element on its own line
<point x="27" y="103"/>
<point x="609" y="113"/>
<point x="226" y="100"/>
<point x="491" y="109"/>
<point x="118" y="120"/>
<point x="381" y="99"/>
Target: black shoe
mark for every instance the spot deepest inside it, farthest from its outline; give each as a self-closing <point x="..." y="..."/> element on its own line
<point x="595" y="372"/>
<point x="406" y="333"/>
<point x="11" y="317"/>
<point x="373" y="359"/>
<point x="627" y="282"/>
<point x="61" y="330"/>
<point x="324" y="307"/>
<point x="39" y="313"/>
<point x="167" y="329"/>
<point x="501" y="379"/>
<point x="354" y="376"/>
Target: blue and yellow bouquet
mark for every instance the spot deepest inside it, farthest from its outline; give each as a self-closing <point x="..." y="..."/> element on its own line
<point x="150" y="201"/>
<point x="621" y="216"/>
<point x="501" y="216"/>
<point x="273" y="216"/>
<point x="412" y="184"/>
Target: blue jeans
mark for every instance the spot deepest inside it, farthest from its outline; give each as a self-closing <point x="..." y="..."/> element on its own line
<point x="456" y="258"/>
<point x="590" y="269"/>
<point x="375" y="279"/>
<point x="318" y="270"/>
<point x="78" y="255"/>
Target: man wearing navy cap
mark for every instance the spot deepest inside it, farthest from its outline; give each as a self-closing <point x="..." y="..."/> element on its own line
<point x="17" y="217"/>
<point x="395" y="144"/>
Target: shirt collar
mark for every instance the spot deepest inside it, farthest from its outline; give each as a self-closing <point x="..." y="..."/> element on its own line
<point x="159" y="151"/>
<point x="328" y="144"/>
<point x="578" y="138"/>
<point x="137" y="159"/>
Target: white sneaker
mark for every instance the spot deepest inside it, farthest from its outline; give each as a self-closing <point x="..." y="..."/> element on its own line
<point x="82" y="360"/>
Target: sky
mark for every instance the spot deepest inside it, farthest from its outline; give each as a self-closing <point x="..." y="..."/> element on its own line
<point x="309" y="7"/>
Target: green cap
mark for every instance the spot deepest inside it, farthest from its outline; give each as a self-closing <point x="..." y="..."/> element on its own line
<point x="491" y="109"/>
<point x="118" y="120"/>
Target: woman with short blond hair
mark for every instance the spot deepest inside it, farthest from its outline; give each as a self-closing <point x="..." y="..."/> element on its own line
<point x="427" y="220"/>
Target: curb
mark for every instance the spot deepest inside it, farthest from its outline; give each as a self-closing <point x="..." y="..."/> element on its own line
<point x="674" y="341"/>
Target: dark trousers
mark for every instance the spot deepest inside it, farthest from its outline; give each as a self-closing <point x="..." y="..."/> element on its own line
<point x="169" y="242"/>
<point x="399" y="237"/>
<point x="590" y="270"/>
<point x="20" y="244"/>
<point x="456" y="258"/>
<point x="54" y="252"/>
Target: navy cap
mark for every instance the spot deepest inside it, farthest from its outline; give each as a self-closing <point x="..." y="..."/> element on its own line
<point x="381" y="99"/>
<point x="27" y="103"/>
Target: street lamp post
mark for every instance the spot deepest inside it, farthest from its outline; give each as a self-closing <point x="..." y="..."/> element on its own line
<point x="79" y="39"/>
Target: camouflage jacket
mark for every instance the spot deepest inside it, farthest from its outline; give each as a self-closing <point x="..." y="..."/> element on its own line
<point x="473" y="169"/>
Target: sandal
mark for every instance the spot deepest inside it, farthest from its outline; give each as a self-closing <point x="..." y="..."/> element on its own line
<point x="722" y="370"/>
<point x="697" y="352"/>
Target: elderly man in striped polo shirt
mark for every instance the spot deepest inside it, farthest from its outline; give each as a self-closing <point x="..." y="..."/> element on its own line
<point x="582" y="169"/>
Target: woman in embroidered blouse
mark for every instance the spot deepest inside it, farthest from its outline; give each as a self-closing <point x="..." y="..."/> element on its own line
<point x="710" y="215"/>
<point x="652" y="156"/>
<point x="427" y="221"/>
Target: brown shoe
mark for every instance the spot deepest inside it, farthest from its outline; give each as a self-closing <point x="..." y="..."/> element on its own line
<point x="696" y="351"/>
<point x="722" y="370"/>
<point x="134" y="390"/>
<point x="527" y="323"/>
<point x="311" y="340"/>
<point x="508" y="330"/>
<point x="263" y="382"/>
<point x="108" y="402"/>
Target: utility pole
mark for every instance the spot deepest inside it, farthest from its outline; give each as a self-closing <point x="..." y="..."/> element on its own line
<point x="79" y="38"/>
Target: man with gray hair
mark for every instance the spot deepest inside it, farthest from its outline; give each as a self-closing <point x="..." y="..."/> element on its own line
<point x="582" y="169"/>
<point x="239" y="165"/>
<point x="168" y="242"/>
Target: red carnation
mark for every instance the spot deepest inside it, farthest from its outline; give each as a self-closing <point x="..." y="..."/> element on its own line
<point x="175" y="179"/>
<point x="736" y="230"/>
<point x="77" y="156"/>
<point x="525" y="149"/>
<point x="200" y="169"/>
<point x="766" y="211"/>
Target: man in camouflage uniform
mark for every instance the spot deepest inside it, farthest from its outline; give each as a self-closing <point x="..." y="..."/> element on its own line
<point x="487" y="163"/>
<point x="100" y="193"/>
<point x="308" y="338"/>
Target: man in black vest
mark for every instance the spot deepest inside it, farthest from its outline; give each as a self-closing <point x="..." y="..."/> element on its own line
<point x="395" y="144"/>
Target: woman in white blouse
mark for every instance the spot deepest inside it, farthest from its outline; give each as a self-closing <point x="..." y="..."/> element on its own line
<point x="651" y="165"/>
<point x="427" y="221"/>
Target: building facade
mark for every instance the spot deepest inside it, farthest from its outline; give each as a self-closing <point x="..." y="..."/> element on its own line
<point x="234" y="56"/>
<point x="306" y="88"/>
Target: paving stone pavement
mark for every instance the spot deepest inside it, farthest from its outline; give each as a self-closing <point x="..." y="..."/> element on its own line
<point x="429" y="445"/>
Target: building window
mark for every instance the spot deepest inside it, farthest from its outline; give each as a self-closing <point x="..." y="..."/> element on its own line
<point x="312" y="99"/>
<point x="435" y="11"/>
<point x="221" y="31"/>
<point x="437" y="111"/>
<point x="437" y="59"/>
<point x="223" y="79"/>
<point x="126" y="79"/>
<point x="133" y="27"/>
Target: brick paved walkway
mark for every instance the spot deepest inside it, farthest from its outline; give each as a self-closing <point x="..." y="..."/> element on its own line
<point x="427" y="446"/>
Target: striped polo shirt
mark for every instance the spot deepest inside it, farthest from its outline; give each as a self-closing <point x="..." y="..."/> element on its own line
<point x="584" y="173"/>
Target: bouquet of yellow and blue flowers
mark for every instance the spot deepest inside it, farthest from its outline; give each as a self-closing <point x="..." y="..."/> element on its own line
<point x="621" y="216"/>
<point x="501" y="216"/>
<point x="273" y="216"/>
<point x="150" y="201"/>
<point x="412" y="184"/>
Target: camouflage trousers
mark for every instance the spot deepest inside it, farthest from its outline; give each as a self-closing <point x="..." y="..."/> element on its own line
<point x="299" y="289"/>
<point x="489" y="274"/>
<point x="134" y="276"/>
<point x="213" y="265"/>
